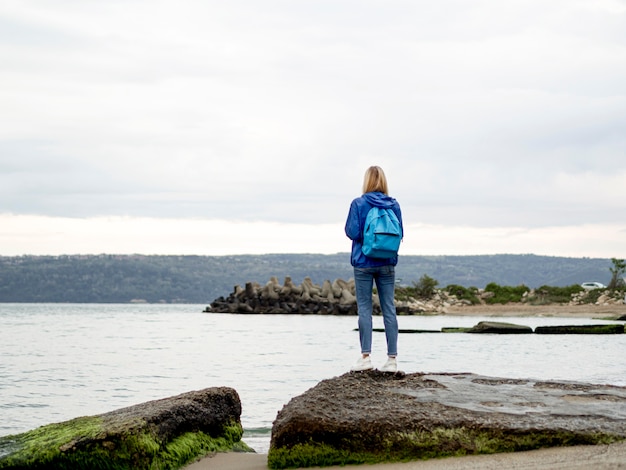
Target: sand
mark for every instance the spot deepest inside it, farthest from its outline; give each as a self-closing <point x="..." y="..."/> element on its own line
<point x="525" y="310"/>
<point x="581" y="457"/>
<point x="598" y="457"/>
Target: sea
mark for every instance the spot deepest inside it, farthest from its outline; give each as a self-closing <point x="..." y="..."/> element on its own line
<point x="61" y="361"/>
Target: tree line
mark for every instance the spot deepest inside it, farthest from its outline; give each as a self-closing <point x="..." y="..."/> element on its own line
<point x="109" y="278"/>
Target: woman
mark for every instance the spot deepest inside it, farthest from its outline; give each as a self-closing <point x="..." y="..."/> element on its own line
<point x="369" y="270"/>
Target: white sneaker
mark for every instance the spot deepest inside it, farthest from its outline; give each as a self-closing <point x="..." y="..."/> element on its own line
<point x="364" y="363"/>
<point x="390" y="366"/>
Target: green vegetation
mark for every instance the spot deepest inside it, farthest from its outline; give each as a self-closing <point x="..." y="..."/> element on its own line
<point x="425" y="288"/>
<point x="426" y="444"/>
<point x="463" y="293"/>
<point x="549" y="294"/>
<point x="617" y="274"/>
<point x="202" y="279"/>
<point x="42" y="446"/>
<point x="592" y="296"/>
<point x="453" y="329"/>
<point x="83" y="443"/>
<point x="612" y="329"/>
<point x="505" y="294"/>
<point x="314" y="455"/>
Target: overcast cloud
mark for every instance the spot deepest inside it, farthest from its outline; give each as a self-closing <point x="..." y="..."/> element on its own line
<point x="150" y="126"/>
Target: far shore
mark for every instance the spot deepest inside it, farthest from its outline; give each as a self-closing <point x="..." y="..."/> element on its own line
<point x="591" y="311"/>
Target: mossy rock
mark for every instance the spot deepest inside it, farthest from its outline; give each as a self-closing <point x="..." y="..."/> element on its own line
<point x="453" y="329"/>
<point x="580" y="330"/>
<point x="406" y="330"/>
<point x="370" y="417"/>
<point x="426" y="444"/>
<point x="501" y="328"/>
<point x="163" y="434"/>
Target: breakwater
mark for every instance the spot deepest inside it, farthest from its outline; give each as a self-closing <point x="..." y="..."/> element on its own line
<point x="339" y="298"/>
<point x="330" y="298"/>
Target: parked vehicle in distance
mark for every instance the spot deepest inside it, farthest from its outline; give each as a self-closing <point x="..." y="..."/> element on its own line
<point x="592" y="285"/>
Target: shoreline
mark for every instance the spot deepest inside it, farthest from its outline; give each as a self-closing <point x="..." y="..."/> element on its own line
<point x="575" y="457"/>
<point x="590" y="311"/>
<point x="599" y="457"/>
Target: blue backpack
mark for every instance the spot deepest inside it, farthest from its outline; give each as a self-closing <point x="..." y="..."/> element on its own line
<point x="382" y="233"/>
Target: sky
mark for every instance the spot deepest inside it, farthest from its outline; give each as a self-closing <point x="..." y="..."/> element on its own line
<point x="246" y="126"/>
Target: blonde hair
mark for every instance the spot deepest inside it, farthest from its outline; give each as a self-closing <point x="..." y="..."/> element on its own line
<point x="375" y="180"/>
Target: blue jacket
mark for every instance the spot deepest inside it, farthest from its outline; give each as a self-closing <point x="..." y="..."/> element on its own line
<point x="356" y="224"/>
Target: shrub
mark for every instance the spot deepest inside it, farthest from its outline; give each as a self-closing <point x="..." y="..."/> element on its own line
<point x="505" y="294"/>
<point x="403" y="293"/>
<point x="592" y="296"/>
<point x="425" y="287"/>
<point x="617" y="273"/>
<point x="463" y="293"/>
<point x="551" y="294"/>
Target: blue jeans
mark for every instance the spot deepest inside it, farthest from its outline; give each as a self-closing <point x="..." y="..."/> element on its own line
<point x="385" y="278"/>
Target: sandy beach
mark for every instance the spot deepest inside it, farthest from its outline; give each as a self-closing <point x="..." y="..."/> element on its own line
<point x="598" y="457"/>
<point x="555" y="310"/>
<point x="580" y="457"/>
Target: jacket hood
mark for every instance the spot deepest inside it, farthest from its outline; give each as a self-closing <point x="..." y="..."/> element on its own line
<point x="379" y="199"/>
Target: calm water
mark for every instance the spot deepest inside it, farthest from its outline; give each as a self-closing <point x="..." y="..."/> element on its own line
<point x="60" y="361"/>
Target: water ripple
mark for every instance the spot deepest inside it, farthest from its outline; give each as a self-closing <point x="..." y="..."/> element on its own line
<point x="61" y="361"/>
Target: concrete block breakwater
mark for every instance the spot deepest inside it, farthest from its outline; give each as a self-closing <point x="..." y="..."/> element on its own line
<point x="331" y="298"/>
<point x="336" y="298"/>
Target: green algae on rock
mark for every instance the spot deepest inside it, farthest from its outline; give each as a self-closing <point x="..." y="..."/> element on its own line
<point x="610" y="329"/>
<point x="162" y="434"/>
<point x="500" y="328"/>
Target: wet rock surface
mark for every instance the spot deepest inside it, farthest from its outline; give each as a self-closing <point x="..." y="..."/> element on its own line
<point x="611" y="329"/>
<point x="500" y="328"/>
<point x="209" y="410"/>
<point x="374" y="416"/>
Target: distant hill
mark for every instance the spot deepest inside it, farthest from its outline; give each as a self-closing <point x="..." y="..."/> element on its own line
<point x="202" y="279"/>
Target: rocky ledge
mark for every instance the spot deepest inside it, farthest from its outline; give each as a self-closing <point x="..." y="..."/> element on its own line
<point x="367" y="417"/>
<point x="167" y="433"/>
